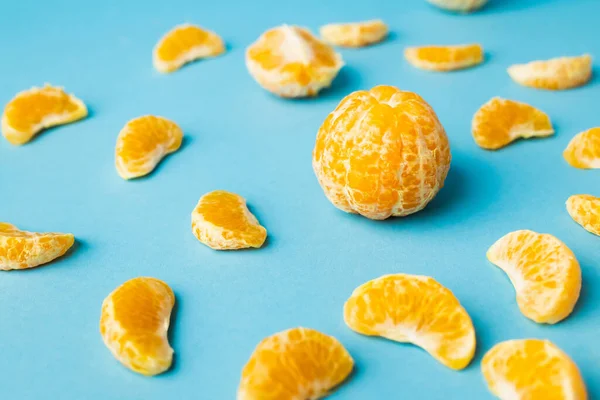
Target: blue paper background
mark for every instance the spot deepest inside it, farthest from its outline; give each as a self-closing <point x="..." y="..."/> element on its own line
<point x="241" y="138"/>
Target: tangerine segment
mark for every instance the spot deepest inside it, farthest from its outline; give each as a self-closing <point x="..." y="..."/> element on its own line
<point x="583" y="151"/>
<point x="414" y="309"/>
<point x="554" y="74"/>
<point x="459" y="5"/>
<point x="445" y="58"/>
<point x="134" y="324"/>
<point x="354" y="34"/>
<point x="222" y="221"/>
<point x="532" y="369"/>
<point x="143" y="143"/>
<point x="585" y="210"/>
<point x="500" y="122"/>
<point x="36" y="109"/>
<point x="21" y="249"/>
<point x="295" y="364"/>
<point x="290" y="62"/>
<point x="544" y="272"/>
<point x="183" y="44"/>
<point x="381" y="153"/>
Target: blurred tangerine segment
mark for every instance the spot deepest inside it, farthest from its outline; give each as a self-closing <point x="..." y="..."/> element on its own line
<point x="222" y="221"/>
<point x="583" y="151"/>
<point x="295" y="364"/>
<point x="532" y="369"/>
<point x="183" y="44"/>
<point x="414" y="309"/>
<point x="585" y="210"/>
<point x="134" y="324"/>
<point x="36" y="109"/>
<point x="381" y="153"/>
<point x="459" y="5"/>
<point x="444" y="58"/>
<point x="544" y="272"/>
<point x="554" y="74"/>
<point x="354" y="34"/>
<point x="500" y="122"/>
<point x="21" y="249"/>
<point x="143" y="143"/>
<point x="290" y="62"/>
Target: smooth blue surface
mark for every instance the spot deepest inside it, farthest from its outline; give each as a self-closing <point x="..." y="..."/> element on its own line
<point x="241" y="138"/>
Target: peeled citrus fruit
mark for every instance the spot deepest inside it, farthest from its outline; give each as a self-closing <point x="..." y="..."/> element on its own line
<point x="583" y="151"/>
<point x="414" y="309"/>
<point x="500" y="122"/>
<point x="36" y="109"/>
<point x="290" y="62"/>
<point x="459" y="5"/>
<point x="532" y="369"/>
<point x="354" y="34"/>
<point x="183" y="44"/>
<point x="444" y="58"/>
<point x="296" y="364"/>
<point x="555" y="74"/>
<point x="544" y="272"/>
<point x="222" y="221"/>
<point x="585" y="210"/>
<point x="381" y="153"/>
<point x="143" y="143"/>
<point x="21" y="249"/>
<point x="134" y="324"/>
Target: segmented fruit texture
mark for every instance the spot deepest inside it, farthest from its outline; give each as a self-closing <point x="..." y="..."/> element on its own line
<point x="134" y="324"/>
<point x="21" y="249"/>
<point x="554" y="74"/>
<point x="544" y="272"/>
<point x="459" y="5"/>
<point x="444" y="58"/>
<point x="500" y="122"/>
<point x="532" y="369"/>
<point x="298" y="363"/>
<point x="354" y="34"/>
<point x="583" y="151"/>
<point x="381" y="153"/>
<point x="414" y="309"/>
<point x="585" y="210"/>
<point x="36" y="109"/>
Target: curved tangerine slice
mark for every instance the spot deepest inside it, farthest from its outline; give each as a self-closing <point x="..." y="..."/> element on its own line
<point x="143" y="143"/>
<point x="414" y="309"/>
<point x="222" y="221"/>
<point x="298" y="363"/>
<point x="445" y="58"/>
<point x="585" y="210"/>
<point x="21" y="249"/>
<point x="36" y="109"/>
<point x="183" y="44"/>
<point x="583" y="151"/>
<point x="354" y="34"/>
<point x="134" y="324"/>
<point x="544" y="272"/>
<point x="554" y="74"/>
<point x="500" y="122"/>
<point x="532" y="369"/>
<point x="459" y="5"/>
<point x="290" y="62"/>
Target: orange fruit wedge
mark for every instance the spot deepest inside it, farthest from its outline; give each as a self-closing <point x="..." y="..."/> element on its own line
<point x="143" y="143"/>
<point x="298" y="363"/>
<point x="444" y="58"/>
<point x="554" y="74"/>
<point x="36" y="109"/>
<point x="500" y="122"/>
<point x="544" y="272"/>
<point x="414" y="309"/>
<point x="21" y="249"/>
<point x="134" y="324"/>
<point x="222" y="221"/>
<point x="459" y="5"/>
<point x="583" y="151"/>
<point x="354" y="34"/>
<point x="183" y="44"/>
<point x="532" y="369"/>
<point x="585" y="210"/>
<point x="290" y="62"/>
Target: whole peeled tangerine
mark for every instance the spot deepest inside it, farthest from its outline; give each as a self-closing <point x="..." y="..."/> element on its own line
<point x="381" y="153"/>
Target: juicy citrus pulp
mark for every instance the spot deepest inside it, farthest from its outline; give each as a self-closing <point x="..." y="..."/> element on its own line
<point x="583" y="151"/>
<point x="585" y="210"/>
<point x="354" y="34"/>
<point x="444" y="58"/>
<point x="554" y="74"/>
